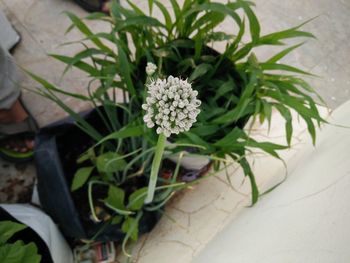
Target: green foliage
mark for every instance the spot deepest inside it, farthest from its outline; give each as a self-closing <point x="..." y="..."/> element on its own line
<point x="81" y="176"/>
<point x="233" y="85"/>
<point x="16" y="252"/>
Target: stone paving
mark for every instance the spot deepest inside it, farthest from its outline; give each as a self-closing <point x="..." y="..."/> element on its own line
<point x="42" y="25"/>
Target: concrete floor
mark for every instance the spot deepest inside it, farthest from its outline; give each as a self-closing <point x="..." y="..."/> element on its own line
<point x="41" y="25"/>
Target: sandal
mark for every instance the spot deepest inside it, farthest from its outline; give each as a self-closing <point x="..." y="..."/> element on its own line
<point x="92" y="5"/>
<point x="18" y="133"/>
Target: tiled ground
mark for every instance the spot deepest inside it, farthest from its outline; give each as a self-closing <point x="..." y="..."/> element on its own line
<point x="42" y="26"/>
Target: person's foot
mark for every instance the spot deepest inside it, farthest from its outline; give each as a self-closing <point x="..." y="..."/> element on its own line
<point x="106" y="7"/>
<point x="95" y="5"/>
<point x="16" y="114"/>
<point x="13" y="115"/>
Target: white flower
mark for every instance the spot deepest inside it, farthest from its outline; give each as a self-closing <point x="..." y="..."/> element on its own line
<point x="150" y="69"/>
<point x="171" y="104"/>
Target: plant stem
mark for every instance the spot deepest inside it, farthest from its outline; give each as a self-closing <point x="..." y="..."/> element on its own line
<point x="155" y="168"/>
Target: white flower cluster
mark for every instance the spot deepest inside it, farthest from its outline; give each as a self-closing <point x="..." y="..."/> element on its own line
<point x="150" y="69"/>
<point x="172" y="105"/>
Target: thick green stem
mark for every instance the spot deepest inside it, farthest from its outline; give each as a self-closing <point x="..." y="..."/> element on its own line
<point x="155" y="168"/>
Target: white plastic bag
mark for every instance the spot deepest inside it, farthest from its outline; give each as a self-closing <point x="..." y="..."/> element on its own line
<point x="43" y="225"/>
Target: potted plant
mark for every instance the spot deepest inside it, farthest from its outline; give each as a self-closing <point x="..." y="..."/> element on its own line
<point x="118" y="148"/>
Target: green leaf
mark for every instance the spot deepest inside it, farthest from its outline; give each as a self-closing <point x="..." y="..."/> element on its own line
<point x="276" y="37"/>
<point x="115" y="197"/>
<point x="216" y="7"/>
<point x="166" y="14"/>
<point x="195" y="139"/>
<point x="18" y="252"/>
<point x="244" y="106"/>
<point x="286" y="114"/>
<point x="116" y="220"/>
<point x="123" y="133"/>
<point x="176" y="8"/>
<point x="8" y="229"/>
<point x="268" y="147"/>
<point x="248" y="172"/>
<point x="80" y="64"/>
<point x="110" y="162"/>
<point x="253" y="22"/>
<point x="86" y="31"/>
<point x="200" y="70"/>
<point x="267" y="112"/>
<point x="96" y="16"/>
<point x="80" y="177"/>
<point x="88" y="155"/>
<point x="282" y="54"/>
<point x="137" y="198"/>
<point x="208" y="22"/>
<point x="131" y="226"/>
<point x="275" y="66"/>
<point x="231" y="49"/>
<point x="87" y="53"/>
<point x="230" y="138"/>
<point x="205" y="130"/>
<point x="47" y="85"/>
<point x="139" y="21"/>
<point x="296" y="104"/>
<point x="310" y="128"/>
<point x="125" y="70"/>
<point x="135" y="8"/>
<point x="225" y="88"/>
<point x="150" y="6"/>
<point x="217" y="36"/>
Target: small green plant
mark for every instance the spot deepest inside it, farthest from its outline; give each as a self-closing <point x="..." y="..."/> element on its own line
<point x="17" y="252"/>
<point x="233" y="86"/>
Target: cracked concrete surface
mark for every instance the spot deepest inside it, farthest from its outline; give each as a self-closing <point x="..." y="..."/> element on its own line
<point x="197" y="215"/>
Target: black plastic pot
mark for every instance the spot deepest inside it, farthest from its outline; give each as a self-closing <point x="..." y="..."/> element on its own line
<point x="57" y="148"/>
